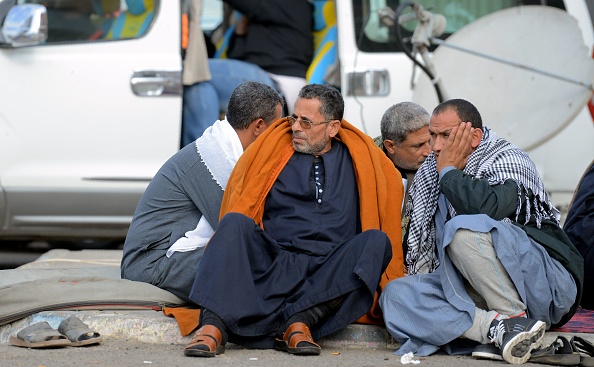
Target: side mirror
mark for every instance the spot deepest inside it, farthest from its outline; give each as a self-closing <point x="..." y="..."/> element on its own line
<point x="25" y="25"/>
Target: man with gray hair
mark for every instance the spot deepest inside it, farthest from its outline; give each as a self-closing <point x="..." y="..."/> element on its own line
<point x="180" y="207"/>
<point x="405" y="138"/>
<point x="405" y="135"/>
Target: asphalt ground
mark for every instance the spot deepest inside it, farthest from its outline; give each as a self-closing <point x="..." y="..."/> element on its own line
<point x="122" y="352"/>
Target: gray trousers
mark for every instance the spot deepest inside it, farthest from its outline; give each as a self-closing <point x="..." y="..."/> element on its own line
<point x="488" y="283"/>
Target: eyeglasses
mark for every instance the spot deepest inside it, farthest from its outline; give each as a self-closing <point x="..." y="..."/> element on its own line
<point x="305" y="124"/>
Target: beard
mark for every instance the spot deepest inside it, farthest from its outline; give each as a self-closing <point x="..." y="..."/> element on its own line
<point x="306" y="148"/>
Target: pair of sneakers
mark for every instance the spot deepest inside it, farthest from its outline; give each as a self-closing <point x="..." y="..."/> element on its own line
<point x="513" y="340"/>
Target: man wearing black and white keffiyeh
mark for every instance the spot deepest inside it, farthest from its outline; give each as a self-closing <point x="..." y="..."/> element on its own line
<point x="486" y="258"/>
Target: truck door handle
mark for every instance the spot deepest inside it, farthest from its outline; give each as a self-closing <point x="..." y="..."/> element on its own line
<point x="368" y="83"/>
<point x="155" y="83"/>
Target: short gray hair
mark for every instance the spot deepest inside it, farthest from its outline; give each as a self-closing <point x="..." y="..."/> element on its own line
<point x="251" y="101"/>
<point x="402" y="119"/>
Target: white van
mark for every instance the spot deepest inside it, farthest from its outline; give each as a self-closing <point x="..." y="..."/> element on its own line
<point x="87" y="119"/>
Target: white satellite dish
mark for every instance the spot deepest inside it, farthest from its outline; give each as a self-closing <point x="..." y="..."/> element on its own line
<point x="525" y="107"/>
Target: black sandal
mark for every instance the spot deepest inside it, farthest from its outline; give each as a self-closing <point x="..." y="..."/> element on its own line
<point x="586" y="349"/>
<point x="559" y="353"/>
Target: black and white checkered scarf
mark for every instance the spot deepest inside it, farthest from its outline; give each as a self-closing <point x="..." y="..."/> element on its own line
<point x="494" y="159"/>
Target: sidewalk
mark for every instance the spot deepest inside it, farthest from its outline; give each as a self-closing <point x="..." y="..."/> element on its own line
<point x="155" y="327"/>
<point x="149" y="326"/>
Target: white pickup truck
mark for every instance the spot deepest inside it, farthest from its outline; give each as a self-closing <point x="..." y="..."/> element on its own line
<point x="86" y="120"/>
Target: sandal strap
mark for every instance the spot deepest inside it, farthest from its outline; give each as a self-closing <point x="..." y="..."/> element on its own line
<point x="582" y="345"/>
<point x="207" y="335"/>
<point x="296" y="333"/>
<point x="562" y="346"/>
<point x="76" y="330"/>
<point x="40" y="332"/>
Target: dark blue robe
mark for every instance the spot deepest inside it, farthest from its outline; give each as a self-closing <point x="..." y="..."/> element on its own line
<point x="308" y="253"/>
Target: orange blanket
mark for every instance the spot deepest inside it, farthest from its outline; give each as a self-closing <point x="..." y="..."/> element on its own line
<point x="187" y="318"/>
<point x="379" y="182"/>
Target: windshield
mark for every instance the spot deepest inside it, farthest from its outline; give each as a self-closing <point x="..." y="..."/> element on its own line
<point x="374" y="36"/>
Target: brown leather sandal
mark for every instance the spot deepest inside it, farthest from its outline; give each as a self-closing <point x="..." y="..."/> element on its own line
<point x="205" y="343"/>
<point x="297" y="340"/>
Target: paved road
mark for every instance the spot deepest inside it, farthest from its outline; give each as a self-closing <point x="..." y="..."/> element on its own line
<point x="115" y="352"/>
<point x="14" y="254"/>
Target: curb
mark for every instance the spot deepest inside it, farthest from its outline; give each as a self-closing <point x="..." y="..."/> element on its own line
<point x="149" y="326"/>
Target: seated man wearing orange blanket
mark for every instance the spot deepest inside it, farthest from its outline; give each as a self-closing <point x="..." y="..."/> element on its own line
<point x="309" y="229"/>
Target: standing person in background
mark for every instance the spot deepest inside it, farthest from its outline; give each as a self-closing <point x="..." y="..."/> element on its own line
<point x="179" y="210"/>
<point x="275" y="35"/>
<point x="271" y="42"/>
<point x="197" y="115"/>
<point x="487" y="260"/>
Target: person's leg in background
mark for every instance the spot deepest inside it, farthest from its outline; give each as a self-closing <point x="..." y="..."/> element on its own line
<point x="200" y="110"/>
<point x="205" y="102"/>
<point x="227" y="74"/>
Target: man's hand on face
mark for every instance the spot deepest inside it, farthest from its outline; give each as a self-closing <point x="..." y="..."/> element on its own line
<point x="458" y="147"/>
